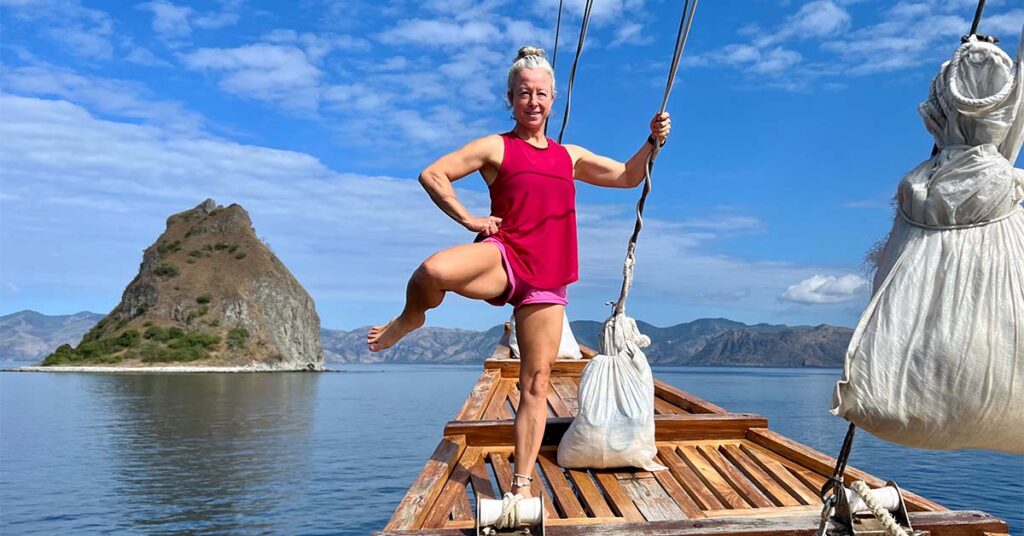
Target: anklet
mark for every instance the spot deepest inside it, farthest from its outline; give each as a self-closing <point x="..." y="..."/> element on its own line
<point x="517" y="476"/>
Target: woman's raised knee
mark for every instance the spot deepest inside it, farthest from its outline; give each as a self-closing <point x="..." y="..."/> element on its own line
<point x="434" y="270"/>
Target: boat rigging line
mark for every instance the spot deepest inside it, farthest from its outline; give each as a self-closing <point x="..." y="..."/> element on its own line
<point x="576" y="60"/>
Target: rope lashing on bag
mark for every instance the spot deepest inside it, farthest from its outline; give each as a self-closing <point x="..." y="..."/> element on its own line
<point x="620" y="330"/>
<point x="974" y="32"/>
<point x="575" y="62"/>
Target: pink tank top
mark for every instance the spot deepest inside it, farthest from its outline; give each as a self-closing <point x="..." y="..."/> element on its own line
<point x="535" y="197"/>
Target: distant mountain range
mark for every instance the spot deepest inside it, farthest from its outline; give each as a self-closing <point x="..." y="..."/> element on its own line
<point x="29" y="336"/>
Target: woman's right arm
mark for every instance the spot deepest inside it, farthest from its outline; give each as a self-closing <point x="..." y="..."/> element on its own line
<point x="438" y="177"/>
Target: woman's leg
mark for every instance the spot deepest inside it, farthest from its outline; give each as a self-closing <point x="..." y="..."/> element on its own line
<point x="539" y="330"/>
<point x="472" y="270"/>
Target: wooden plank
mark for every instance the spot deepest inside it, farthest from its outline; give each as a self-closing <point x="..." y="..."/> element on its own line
<point x="711" y="477"/>
<point x="593" y="500"/>
<point x="782" y="475"/>
<point x="774" y="511"/>
<point x="630" y="474"/>
<point x="651" y="499"/>
<point x="481" y="479"/>
<point x="557" y="405"/>
<point x="513" y="397"/>
<point x="588" y="353"/>
<point x="563" y="494"/>
<point x="502" y="471"/>
<point x="823" y="465"/>
<point x="662" y="407"/>
<point x="424" y="490"/>
<point x="685" y="503"/>
<point x="497" y="408"/>
<point x="689" y="480"/>
<point x="447" y="501"/>
<point x="940" y="523"/>
<point x="568" y="392"/>
<point x="686" y="401"/>
<point x="808" y="479"/>
<point x="473" y="407"/>
<point x="509" y="368"/>
<point x="547" y="522"/>
<point x="738" y="480"/>
<point x="666" y="428"/>
<point x="765" y="482"/>
<point x="618" y="499"/>
<point x="462" y="510"/>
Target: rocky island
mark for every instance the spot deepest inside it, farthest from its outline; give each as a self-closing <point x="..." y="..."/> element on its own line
<point x="209" y="294"/>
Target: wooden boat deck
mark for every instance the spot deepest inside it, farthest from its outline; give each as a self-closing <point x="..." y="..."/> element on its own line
<point x="726" y="468"/>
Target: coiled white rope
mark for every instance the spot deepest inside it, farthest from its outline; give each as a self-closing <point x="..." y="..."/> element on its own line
<point x="892" y="528"/>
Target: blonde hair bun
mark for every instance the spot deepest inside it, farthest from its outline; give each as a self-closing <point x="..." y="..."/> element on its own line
<point x="525" y="52"/>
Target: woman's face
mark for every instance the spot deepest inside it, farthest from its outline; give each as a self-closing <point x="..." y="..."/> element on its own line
<point x="531" y="98"/>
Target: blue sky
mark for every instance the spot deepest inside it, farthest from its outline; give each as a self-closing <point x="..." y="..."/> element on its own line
<point x="793" y="123"/>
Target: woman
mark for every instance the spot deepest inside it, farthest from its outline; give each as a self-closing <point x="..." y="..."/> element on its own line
<point x="525" y="252"/>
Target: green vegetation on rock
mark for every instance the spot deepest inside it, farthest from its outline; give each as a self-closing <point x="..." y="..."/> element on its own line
<point x="155" y="344"/>
<point x="166" y="270"/>
<point x="238" y="337"/>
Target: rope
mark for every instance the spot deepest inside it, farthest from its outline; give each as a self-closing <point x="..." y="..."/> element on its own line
<point x="685" y="23"/>
<point x="833" y="486"/>
<point x="572" y="74"/>
<point x="892" y="528"/>
<point x="554" y="54"/>
<point x="977" y="17"/>
<point x="509" y="518"/>
<point x="558" y="30"/>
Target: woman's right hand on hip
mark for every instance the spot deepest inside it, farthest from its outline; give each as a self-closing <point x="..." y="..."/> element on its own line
<point x="488" y="225"/>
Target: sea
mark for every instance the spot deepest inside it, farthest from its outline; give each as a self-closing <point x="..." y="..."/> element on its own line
<point x="335" y="452"/>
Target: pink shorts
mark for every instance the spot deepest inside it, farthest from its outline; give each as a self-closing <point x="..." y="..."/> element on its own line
<point x="520" y="292"/>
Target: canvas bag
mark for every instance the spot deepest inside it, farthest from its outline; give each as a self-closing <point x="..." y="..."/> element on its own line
<point x="614" y="425"/>
<point x="937" y="359"/>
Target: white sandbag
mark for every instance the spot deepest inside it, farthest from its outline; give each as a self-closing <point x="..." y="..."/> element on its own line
<point x="567" y="349"/>
<point x="937" y="359"/>
<point x="614" y="425"/>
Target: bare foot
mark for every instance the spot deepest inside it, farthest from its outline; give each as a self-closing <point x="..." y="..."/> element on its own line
<point x="382" y="337"/>
<point x="523" y="492"/>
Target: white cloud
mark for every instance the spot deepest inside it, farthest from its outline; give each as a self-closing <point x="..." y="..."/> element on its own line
<point x="434" y="33"/>
<point x="605" y="11"/>
<point x="819" y="289"/>
<point x="277" y="73"/>
<point x="174" y="24"/>
<point x="119" y="98"/>
<point x="81" y="31"/>
<point x="170" y="22"/>
<point x="820" y="41"/>
<point x="630" y="33"/>
<point x="814" y="19"/>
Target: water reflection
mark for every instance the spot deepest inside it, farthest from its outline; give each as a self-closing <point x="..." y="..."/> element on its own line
<point x="196" y="453"/>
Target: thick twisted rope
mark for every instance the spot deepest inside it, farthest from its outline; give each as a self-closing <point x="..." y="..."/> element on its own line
<point x="685" y="23"/>
<point x="892" y="528"/>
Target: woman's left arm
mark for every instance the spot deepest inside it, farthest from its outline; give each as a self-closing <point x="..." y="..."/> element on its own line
<point x="603" y="171"/>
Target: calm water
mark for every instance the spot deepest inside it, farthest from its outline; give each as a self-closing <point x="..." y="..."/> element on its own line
<point x="335" y="453"/>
